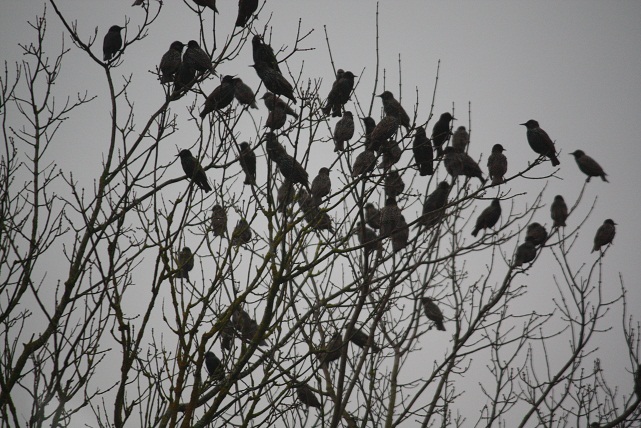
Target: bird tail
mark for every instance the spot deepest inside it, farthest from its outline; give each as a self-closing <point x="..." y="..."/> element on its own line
<point x="440" y="326"/>
<point x="604" y="179"/>
<point x="475" y="232"/>
<point x="426" y="169"/>
<point x="555" y="160"/>
<point x="327" y="109"/>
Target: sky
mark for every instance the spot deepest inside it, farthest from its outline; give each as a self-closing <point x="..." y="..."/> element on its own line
<point x="572" y="65"/>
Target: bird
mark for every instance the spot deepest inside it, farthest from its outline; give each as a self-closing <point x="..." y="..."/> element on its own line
<point x="433" y="313"/>
<point x="460" y="139"/>
<point x="262" y="52"/>
<point x="433" y="206"/>
<point x="170" y="62"/>
<point x="401" y="235"/>
<point x="391" y="152"/>
<point x="227" y="337"/>
<point x="559" y="211"/>
<point x="441" y="132"/>
<point x="307" y="396"/>
<point x="246" y="9"/>
<point x="317" y="219"/>
<point x="453" y="162"/>
<point x="242" y="233"/>
<point x="220" y="97"/>
<point x="183" y="77"/>
<point x="369" y="124"/>
<point x="246" y="326"/>
<point x="497" y="165"/>
<point x="604" y="235"/>
<point x="471" y="168"/>
<point x="394" y="184"/>
<point x="392" y="107"/>
<point x="285" y="195"/>
<point x="365" y="162"/>
<point x="589" y="166"/>
<point x="372" y="216"/>
<point x="194" y="170"/>
<point x="197" y="59"/>
<point x="339" y="94"/>
<point x="525" y="253"/>
<point x="214" y="366"/>
<point x="112" y="42"/>
<point x="343" y="131"/>
<point x="207" y="3"/>
<point x="540" y="141"/>
<point x="390" y="215"/>
<point x="536" y="234"/>
<point x="332" y="351"/>
<point x="383" y="131"/>
<point x="218" y="220"/>
<point x="293" y="170"/>
<point x="272" y="102"/>
<point x="275" y="150"/>
<point x="422" y="149"/>
<point x="367" y="237"/>
<point x="276" y="119"/>
<point x="244" y="93"/>
<point x="274" y="81"/>
<point x="488" y="217"/>
<point x="321" y="186"/>
<point x="185" y="262"/>
<point x="247" y="159"/>
<point x="360" y="339"/>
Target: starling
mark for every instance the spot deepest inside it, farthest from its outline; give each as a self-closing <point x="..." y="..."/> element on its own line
<point x="247" y="160"/>
<point x="293" y="170"/>
<point x="604" y="235"/>
<point x="214" y="366"/>
<point x="244" y="93"/>
<point x="307" y="396"/>
<point x="384" y="130"/>
<point x="401" y="235"/>
<point x="246" y="326"/>
<point x="274" y="81"/>
<point x="364" y="162"/>
<point x="390" y="215"/>
<point x="589" y="166"/>
<point x="321" y="186"/>
<point x="276" y="119"/>
<point x="339" y="95"/>
<point x="471" y="169"/>
<point x="246" y="8"/>
<point x="185" y="262"/>
<point x="112" y="42"/>
<point x="372" y="216"/>
<point x="540" y="141"/>
<point x="394" y="184"/>
<point x="488" y="217"/>
<point x="433" y="207"/>
<point x="220" y="97"/>
<point x="343" y="131"/>
<point x="453" y="162"/>
<point x="559" y="211"/>
<point x="391" y="107"/>
<point x="392" y="153"/>
<point x="194" y="170"/>
<point x="184" y="77"/>
<point x="275" y="150"/>
<point x="433" y="313"/>
<point x="360" y="339"/>
<point x="332" y="351"/>
<point x="170" y="62"/>
<point x="460" y="139"/>
<point x="272" y="102"/>
<point x="219" y="221"/>
<point x="285" y="195"/>
<point x="525" y="253"/>
<point x="423" y="155"/>
<point x="497" y="165"/>
<point x="536" y="234"/>
<point x="441" y="132"/>
<point x="263" y="53"/>
<point x="370" y="124"/>
<point x="207" y="3"/>
<point x="316" y="218"/>
<point x="367" y="237"/>
<point x="197" y="59"/>
<point x="227" y="337"/>
<point x="242" y="233"/>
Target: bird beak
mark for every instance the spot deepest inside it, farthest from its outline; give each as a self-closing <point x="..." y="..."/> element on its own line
<point x="522" y="124"/>
<point x="379" y="95"/>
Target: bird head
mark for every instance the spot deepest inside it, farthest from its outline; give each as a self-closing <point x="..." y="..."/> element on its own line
<point x="531" y="124"/>
<point x="387" y="95"/>
<point x="115" y="29"/>
<point x="497" y="148"/>
<point x="193" y="44"/>
<point x="184" y="154"/>
<point x="577" y="153"/>
<point x="324" y="171"/>
<point x="177" y="46"/>
<point x="447" y="116"/>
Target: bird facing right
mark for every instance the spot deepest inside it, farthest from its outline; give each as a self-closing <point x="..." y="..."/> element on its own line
<point x="588" y="166"/>
<point x="433" y="313"/>
<point x="112" y="42"/>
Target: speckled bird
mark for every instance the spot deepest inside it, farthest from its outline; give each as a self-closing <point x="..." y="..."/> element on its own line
<point x="365" y="162"/>
<point x="275" y="150"/>
<point x="368" y="238"/>
<point x="244" y="94"/>
<point x="272" y="102"/>
<point x="453" y="162"/>
<point x="433" y="206"/>
<point x="170" y="62"/>
<point x="393" y="108"/>
<point x="394" y="184"/>
<point x="423" y="155"/>
<point x="194" y="170"/>
<point x="263" y="53"/>
<point x="360" y="339"/>
<point x="343" y="131"/>
<point x="604" y="235"/>
<point x="383" y="131"/>
<point x="433" y="313"/>
<point x="340" y="93"/>
<point x="488" y="217"/>
<point x="540" y="141"/>
<point x="112" y="42"/>
<point x="292" y="170"/>
<point x="274" y="81"/>
<point x="218" y="220"/>
<point x="220" y="97"/>
<point x="306" y="396"/>
<point x="497" y="165"/>
<point x="285" y="195"/>
<point x="247" y="159"/>
<point x="197" y="59"/>
<point x="372" y="216"/>
<point x="392" y="153"/>
<point x="588" y="166"/>
<point x="441" y="132"/>
<point x="276" y="119"/>
<point x="401" y="235"/>
<point x="559" y="211"/>
<point x="321" y="186"/>
<point x="390" y="215"/>
<point x="460" y="139"/>
<point x="185" y="263"/>
<point x="242" y="233"/>
<point x="536" y="234"/>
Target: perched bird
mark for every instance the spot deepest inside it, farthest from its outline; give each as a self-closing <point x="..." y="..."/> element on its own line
<point x="433" y="206"/>
<point x="589" y="166"/>
<point x="367" y="237"/>
<point x="207" y="3"/>
<point x="391" y="107"/>
<point x="441" y="132"/>
<point x="343" y="131"/>
<point x="390" y="215"/>
<point x="423" y="156"/>
<point x="497" y="165"/>
<point x="194" y="170"/>
<point x="293" y="170"/>
<point x="307" y="396"/>
<point x="214" y="366"/>
<point x="460" y="139"/>
<point x="559" y="211"/>
<point x="392" y="153"/>
<point x="332" y="351"/>
<point x="247" y="159"/>
<point x="242" y="233"/>
<point x="433" y="313"/>
<point x="274" y="81"/>
<point x="369" y="124"/>
<point x="365" y="162"/>
<point x="275" y="150"/>
<point x="317" y="219"/>
<point x="272" y="102"/>
<point x="276" y="119"/>
<point x="372" y="216"/>
<point x="220" y="97"/>
<point x="246" y="326"/>
<point x="244" y="93"/>
<point x="321" y="186"/>
<point x="540" y="141"/>
<point x="383" y="131"/>
<point x="536" y="234"/>
<point x="525" y="253"/>
<point x="183" y="77"/>
<point x="340" y="92"/>
<point x="227" y="337"/>
<point x="285" y="195"/>
<point x="246" y="9"/>
<point x="170" y="62"/>
<point x="394" y="184"/>
<point x="401" y="235"/>
<point x="185" y="262"/>
<point x="262" y="52"/>
<point x="218" y="220"/>
<point x="360" y="339"/>
<point x="604" y="235"/>
<point x="197" y="59"/>
<point x="471" y="169"/>
<point x="112" y="42"/>
<point x="488" y="217"/>
<point x="453" y="162"/>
